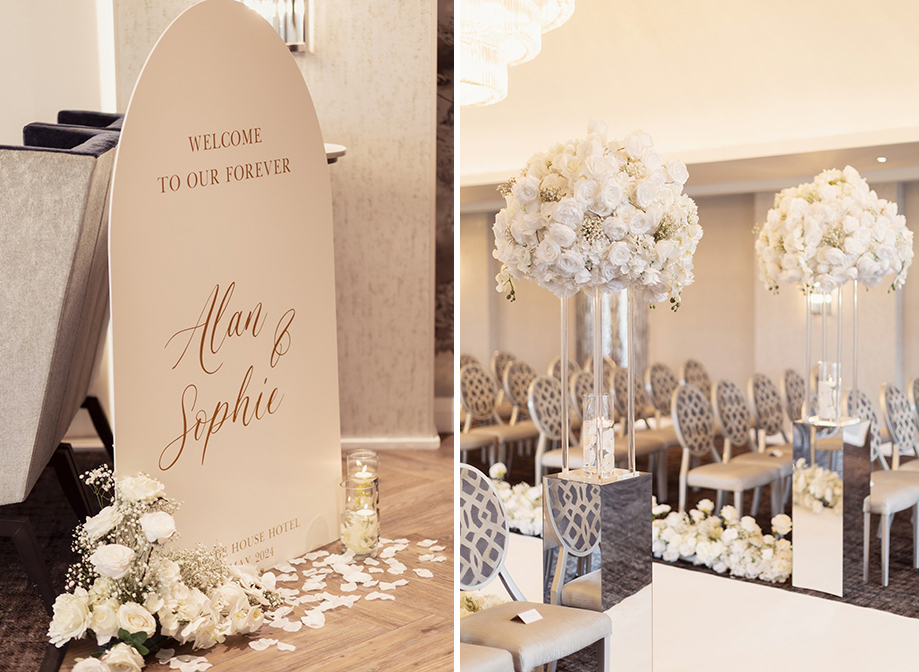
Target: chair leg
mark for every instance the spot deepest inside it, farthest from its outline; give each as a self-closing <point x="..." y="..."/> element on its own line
<point x="19" y="528"/>
<point x="100" y="424"/>
<point x="738" y="502"/>
<point x="885" y="548"/>
<point x="682" y="493"/>
<point x="719" y="501"/>
<point x="661" y="466"/>
<point x="73" y="487"/>
<point x="757" y="496"/>
<point x="603" y="654"/>
<point x="866" y="535"/>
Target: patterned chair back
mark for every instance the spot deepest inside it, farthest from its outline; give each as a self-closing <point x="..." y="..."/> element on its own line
<point x="608" y="367"/>
<point x="662" y="381"/>
<point x="693" y="420"/>
<point x="766" y="404"/>
<point x="555" y="368"/>
<point x="517" y="378"/>
<point x="793" y="393"/>
<point x="694" y="373"/>
<point x="499" y="363"/>
<point x="478" y="392"/>
<point x="621" y="388"/>
<point x="544" y="402"/>
<point x="466" y="360"/>
<point x="859" y="405"/>
<point x="901" y="419"/>
<point x="732" y="413"/>
<point x="581" y="384"/>
<point x="483" y="530"/>
<point x="574" y="512"/>
<point x="913" y="393"/>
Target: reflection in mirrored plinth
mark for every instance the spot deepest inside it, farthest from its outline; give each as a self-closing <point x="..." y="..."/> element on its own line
<point x="599" y="532"/>
<point x="828" y="490"/>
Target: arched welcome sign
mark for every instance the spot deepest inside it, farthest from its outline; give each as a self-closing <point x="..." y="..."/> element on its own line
<point x="223" y="290"/>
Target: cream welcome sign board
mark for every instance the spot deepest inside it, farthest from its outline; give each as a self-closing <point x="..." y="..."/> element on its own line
<point x="223" y="290"/>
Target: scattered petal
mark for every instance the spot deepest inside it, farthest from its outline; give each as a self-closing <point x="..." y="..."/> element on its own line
<point x="286" y="577"/>
<point x="315" y="555"/>
<point x="313" y="619"/>
<point x="393" y="585"/>
<point x="283" y="646"/>
<point x="284" y="567"/>
<point x="348" y="587"/>
<point x="437" y="548"/>
<point x="293" y="626"/>
<point x="380" y="596"/>
<point x="375" y="570"/>
<point x="427" y="542"/>
<point x="164" y="654"/>
<point x="297" y="561"/>
<point x="262" y="644"/>
<point x="369" y="584"/>
<point x="371" y="561"/>
<point x="424" y="573"/>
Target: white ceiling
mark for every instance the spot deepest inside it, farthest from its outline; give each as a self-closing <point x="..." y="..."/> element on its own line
<point x="713" y="81"/>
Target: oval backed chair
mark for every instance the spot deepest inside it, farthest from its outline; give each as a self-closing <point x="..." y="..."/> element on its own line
<point x="500" y="360"/>
<point x="694" y="421"/>
<point x="608" y="367"/>
<point x="693" y="372"/>
<point x="574" y="517"/>
<point x="483" y="545"/>
<point x="892" y="491"/>
<point x="517" y="378"/>
<point x="732" y="413"/>
<point x="544" y="402"/>
<point x="478" y="393"/>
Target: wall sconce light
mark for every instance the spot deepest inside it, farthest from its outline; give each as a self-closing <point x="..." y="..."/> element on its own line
<point x="293" y="19"/>
<point x="817" y="299"/>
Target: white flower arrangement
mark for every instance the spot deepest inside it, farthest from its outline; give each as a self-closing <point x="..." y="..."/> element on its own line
<point x="824" y="233"/>
<point x="816" y="488"/>
<point x="471" y="602"/>
<point x="725" y="543"/>
<point x="598" y="212"/>
<point x="523" y="502"/>
<point x="131" y="593"/>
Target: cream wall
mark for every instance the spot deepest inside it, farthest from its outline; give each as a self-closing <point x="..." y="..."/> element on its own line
<point x="50" y="56"/>
<point x="372" y="79"/>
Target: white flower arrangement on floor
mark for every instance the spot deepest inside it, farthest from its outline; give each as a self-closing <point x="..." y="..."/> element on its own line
<point x="725" y="543"/>
<point x="816" y="489"/>
<point x="598" y="212"/>
<point x="523" y="502"/>
<point x="471" y="602"/>
<point x="130" y="592"/>
<point x="824" y="233"/>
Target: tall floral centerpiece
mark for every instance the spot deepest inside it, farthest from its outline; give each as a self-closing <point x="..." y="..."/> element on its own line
<point x="600" y="215"/>
<point x="819" y="236"/>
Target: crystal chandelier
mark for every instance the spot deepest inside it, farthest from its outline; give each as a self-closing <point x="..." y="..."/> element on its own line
<point x="495" y="34"/>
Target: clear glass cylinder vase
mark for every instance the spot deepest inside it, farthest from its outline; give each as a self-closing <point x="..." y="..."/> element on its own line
<point x="598" y="436"/>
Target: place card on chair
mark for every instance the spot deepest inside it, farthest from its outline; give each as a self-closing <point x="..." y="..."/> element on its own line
<point x="223" y="290"/>
<point x="528" y="616"/>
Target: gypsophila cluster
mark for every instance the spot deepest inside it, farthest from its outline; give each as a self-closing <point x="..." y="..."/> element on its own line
<point x="725" y="543"/>
<point x="523" y="502"/>
<point x="816" y="488"/>
<point x="821" y="234"/>
<point x="129" y="591"/>
<point x="599" y="213"/>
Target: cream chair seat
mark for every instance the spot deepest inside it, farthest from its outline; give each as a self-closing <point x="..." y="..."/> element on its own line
<point x="474" y="658"/>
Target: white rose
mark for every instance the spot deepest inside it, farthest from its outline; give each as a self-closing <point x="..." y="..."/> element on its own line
<point x="614" y="228"/>
<point x="781" y="525"/>
<point x="225" y="597"/>
<point x="71" y="617"/>
<point x="608" y="197"/>
<point x="497" y="471"/>
<point x="253" y="620"/>
<point x="676" y="171"/>
<point x="586" y="191"/>
<point x="619" y="254"/>
<point x="112" y="560"/>
<point x="637" y="143"/>
<point x="123" y="658"/>
<point x="153" y="602"/>
<point x="570" y="263"/>
<point x="569" y="211"/>
<point x="90" y="665"/>
<point x="102" y="523"/>
<point x="652" y="160"/>
<point x="641" y="223"/>
<point x="104" y="622"/>
<point x="597" y="167"/>
<point x="158" y="526"/>
<point x="140" y="488"/>
<point x="646" y="190"/>
<point x="134" y="618"/>
<point x="562" y="234"/>
<point x="547" y="251"/>
<point x="526" y="190"/>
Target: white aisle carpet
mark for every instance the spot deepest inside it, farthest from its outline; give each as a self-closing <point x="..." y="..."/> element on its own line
<point x="704" y="622"/>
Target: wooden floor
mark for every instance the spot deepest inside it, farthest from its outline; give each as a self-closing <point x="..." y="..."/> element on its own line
<point x="414" y="631"/>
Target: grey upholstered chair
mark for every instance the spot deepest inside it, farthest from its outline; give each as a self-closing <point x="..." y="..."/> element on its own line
<point x="608" y="367"/>
<point x="555" y="368"/>
<point x="694" y="421"/>
<point x="893" y="490"/>
<point x="516" y="381"/>
<point x="478" y="394"/>
<point x="793" y="393"/>
<point x="693" y="372"/>
<point x="484" y="539"/>
<point x="732" y="413"/>
<point x="53" y="297"/>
